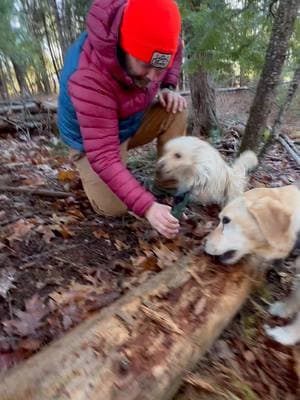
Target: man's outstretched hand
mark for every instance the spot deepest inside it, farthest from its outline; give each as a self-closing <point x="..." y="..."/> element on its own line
<point x="161" y="219"/>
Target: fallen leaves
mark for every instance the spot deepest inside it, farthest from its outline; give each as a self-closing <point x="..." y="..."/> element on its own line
<point x="7" y="277"/>
<point x="47" y="232"/>
<point x="74" y="304"/>
<point x="100" y="234"/>
<point x="19" y="230"/>
<point x="76" y="293"/>
<point x="28" y="321"/>
<point x="67" y="175"/>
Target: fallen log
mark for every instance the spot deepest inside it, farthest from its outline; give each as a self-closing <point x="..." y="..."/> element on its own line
<point x="139" y="347"/>
<point x="28" y="106"/>
<point x="38" y="192"/>
<point x="34" y="121"/>
<point x="290" y="147"/>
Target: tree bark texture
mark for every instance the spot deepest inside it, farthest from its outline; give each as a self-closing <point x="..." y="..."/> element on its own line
<point x="293" y="87"/>
<point x="204" y="116"/>
<point x="275" y="57"/>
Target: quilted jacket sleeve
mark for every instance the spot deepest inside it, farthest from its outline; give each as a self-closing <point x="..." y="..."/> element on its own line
<point x="172" y="75"/>
<point x="96" y="111"/>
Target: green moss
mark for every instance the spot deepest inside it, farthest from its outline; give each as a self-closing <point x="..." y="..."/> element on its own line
<point x="249" y="324"/>
<point x="244" y="390"/>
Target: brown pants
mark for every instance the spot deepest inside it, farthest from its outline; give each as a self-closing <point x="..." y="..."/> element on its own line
<point x="157" y="123"/>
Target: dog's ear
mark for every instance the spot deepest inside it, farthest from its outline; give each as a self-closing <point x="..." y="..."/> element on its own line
<point x="274" y="221"/>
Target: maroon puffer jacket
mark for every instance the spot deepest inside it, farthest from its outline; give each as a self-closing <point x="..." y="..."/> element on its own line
<point x="102" y="94"/>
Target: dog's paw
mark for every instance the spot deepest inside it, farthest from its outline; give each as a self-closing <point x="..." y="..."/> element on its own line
<point x="283" y="335"/>
<point x="279" y="309"/>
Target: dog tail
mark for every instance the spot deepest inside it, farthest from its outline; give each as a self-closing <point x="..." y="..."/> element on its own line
<point x="245" y="162"/>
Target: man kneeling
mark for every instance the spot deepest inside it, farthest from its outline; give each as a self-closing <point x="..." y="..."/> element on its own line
<point x="129" y="56"/>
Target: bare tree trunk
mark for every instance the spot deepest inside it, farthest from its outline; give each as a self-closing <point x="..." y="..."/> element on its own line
<point x="35" y="10"/>
<point x="9" y="77"/>
<point x="3" y="85"/>
<point x="288" y="101"/>
<point x="21" y="77"/>
<point x="204" y="116"/>
<point x="56" y="41"/>
<point x="50" y="46"/>
<point x="69" y="18"/>
<point x="44" y="73"/>
<point x="38" y="80"/>
<point x="62" y="40"/>
<point x="275" y="57"/>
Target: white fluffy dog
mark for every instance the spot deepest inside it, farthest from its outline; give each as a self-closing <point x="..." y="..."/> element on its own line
<point x="194" y="165"/>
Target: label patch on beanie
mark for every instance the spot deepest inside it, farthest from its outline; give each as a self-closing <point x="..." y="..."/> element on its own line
<point x="160" y="60"/>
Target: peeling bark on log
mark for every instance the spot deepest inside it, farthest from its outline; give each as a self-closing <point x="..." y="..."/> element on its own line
<point x="124" y="352"/>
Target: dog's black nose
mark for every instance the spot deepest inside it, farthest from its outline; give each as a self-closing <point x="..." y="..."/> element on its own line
<point x="226" y="257"/>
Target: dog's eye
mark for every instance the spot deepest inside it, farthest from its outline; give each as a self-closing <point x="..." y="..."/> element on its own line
<point x="225" y="220"/>
<point x="177" y="155"/>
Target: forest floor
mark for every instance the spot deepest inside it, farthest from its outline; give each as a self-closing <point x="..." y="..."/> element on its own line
<point x="60" y="262"/>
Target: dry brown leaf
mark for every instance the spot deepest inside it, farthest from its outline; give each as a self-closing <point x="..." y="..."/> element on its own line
<point x="66" y="175"/>
<point x="3" y="197"/>
<point x="28" y="321"/>
<point x="146" y="263"/>
<point x="34" y="180"/>
<point x="19" y="229"/>
<point x="144" y="245"/>
<point x="30" y="344"/>
<point x="76" y="213"/>
<point x="76" y="292"/>
<point x="62" y="229"/>
<point x="63" y="219"/>
<point x="47" y="232"/>
<point x="65" y="231"/>
<point x="120" y="245"/>
<point x="99" y="234"/>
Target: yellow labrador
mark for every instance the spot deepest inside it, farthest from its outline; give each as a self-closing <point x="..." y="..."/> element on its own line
<point x="265" y="224"/>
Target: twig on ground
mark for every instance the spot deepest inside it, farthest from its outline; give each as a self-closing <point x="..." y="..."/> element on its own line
<point x="38" y="192"/>
<point x="289" y="149"/>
